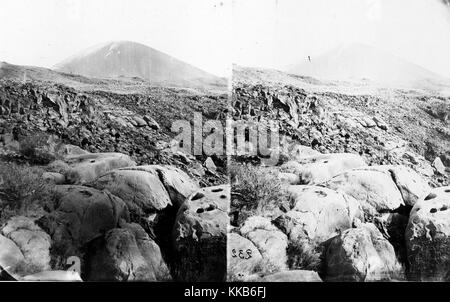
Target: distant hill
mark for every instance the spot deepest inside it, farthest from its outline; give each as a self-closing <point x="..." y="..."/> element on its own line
<point x="363" y="62"/>
<point x="133" y="60"/>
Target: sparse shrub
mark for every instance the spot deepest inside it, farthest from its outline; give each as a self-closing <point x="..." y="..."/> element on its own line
<point x="304" y="255"/>
<point x="255" y="189"/>
<point x="38" y="148"/>
<point x="22" y="188"/>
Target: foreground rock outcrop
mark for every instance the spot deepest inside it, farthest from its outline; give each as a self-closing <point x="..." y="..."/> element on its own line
<point x="269" y="240"/>
<point x="200" y="235"/>
<point x="361" y="254"/>
<point x="126" y="254"/>
<point x="318" y="213"/>
<point x="32" y="241"/>
<point x="428" y="237"/>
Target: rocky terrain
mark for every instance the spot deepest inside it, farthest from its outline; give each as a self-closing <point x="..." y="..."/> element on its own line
<point x="90" y="188"/>
<point x="361" y="189"/>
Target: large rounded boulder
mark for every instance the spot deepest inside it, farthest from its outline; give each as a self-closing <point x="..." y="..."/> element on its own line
<point x="200" y="235"/>
<point x="33" y="242"/>
<point x="410" y="184"/>
<point x="361" y="254"/>
<point x="176" y="182"/>
<point x="141" y="190"/>
<point x="126" y="254"/>
<point x="269" y="240"/>
<point x="375" y="190"/>
<point x="318" y="213"/>
<point x="428" y="237"/>
<point x="243" y="257"/>
<point x="83" y="214"/>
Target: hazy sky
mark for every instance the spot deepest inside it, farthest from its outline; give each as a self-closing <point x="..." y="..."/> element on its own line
<point x="207" y="34"/>
<point x="278" y="33"/>
<point x="44" y="32"/>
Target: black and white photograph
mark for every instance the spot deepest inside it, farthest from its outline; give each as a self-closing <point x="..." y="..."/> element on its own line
<point x="352" y="101"/>
<point x="91" y="186"/>
<point x="225" y="142"/>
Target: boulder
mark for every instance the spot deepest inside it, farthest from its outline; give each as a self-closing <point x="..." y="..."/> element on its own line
<point x="320" y="168"/>
<point x="380" y="123"/>
<point x="10" y="255"/>
<point x="375" y="190"/>
<point x="243" y="257"/>
<point x="141" y="189"/>
<point x="126" y="254"/>
<point x="428" y="237"/>
<point x="210" y="165"/>
<point x="292" y="276"/>
<point x="139" y="122"/>
<point x="176" y="182"/>
<point x="83" y="214"/>
<point x="367" y="122"/>
<point x="88" y="167"/>
<point x="439" y="166"/>
<point x="361" y="254"/>
<point x="318" y="213"/>
<point x="268" y="239"/>
<point x="33" y="242"/>
<point x="199" y="235"/>
<point x="151" y="122"/>
<point x="411" y="185"/>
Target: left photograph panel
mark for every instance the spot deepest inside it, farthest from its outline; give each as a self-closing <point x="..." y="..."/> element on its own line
<point x="111" y="140"/>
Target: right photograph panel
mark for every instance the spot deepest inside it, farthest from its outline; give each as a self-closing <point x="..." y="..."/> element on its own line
<point x="340" y="136"/>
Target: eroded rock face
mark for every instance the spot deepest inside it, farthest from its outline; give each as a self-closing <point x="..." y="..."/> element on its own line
<point x="242" y="257"/>
<point x="292" y="276"/>
<point x="318" y="213"/>
<point x="319" y="168"/>
<point x="83" y="214"/>
<point x="428" y="237"/>
<point x="85" y="168"/>
<point x="361" y="254"/>
<point x="268" y="239"/>
<point x="33" y="242"/>
<point x="126" y="254"/>
<point x="200" y="235"/>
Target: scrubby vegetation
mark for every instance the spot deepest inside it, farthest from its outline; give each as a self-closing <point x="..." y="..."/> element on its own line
<point x="37" y="148"/>
<point x="303" y="255"/>
<point x="255" y="190"/>
<point x="22" y="189"/>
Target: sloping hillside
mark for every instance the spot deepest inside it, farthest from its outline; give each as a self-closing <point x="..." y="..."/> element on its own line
<point x="363" y="62"/>
<point x="134" y="60"/>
